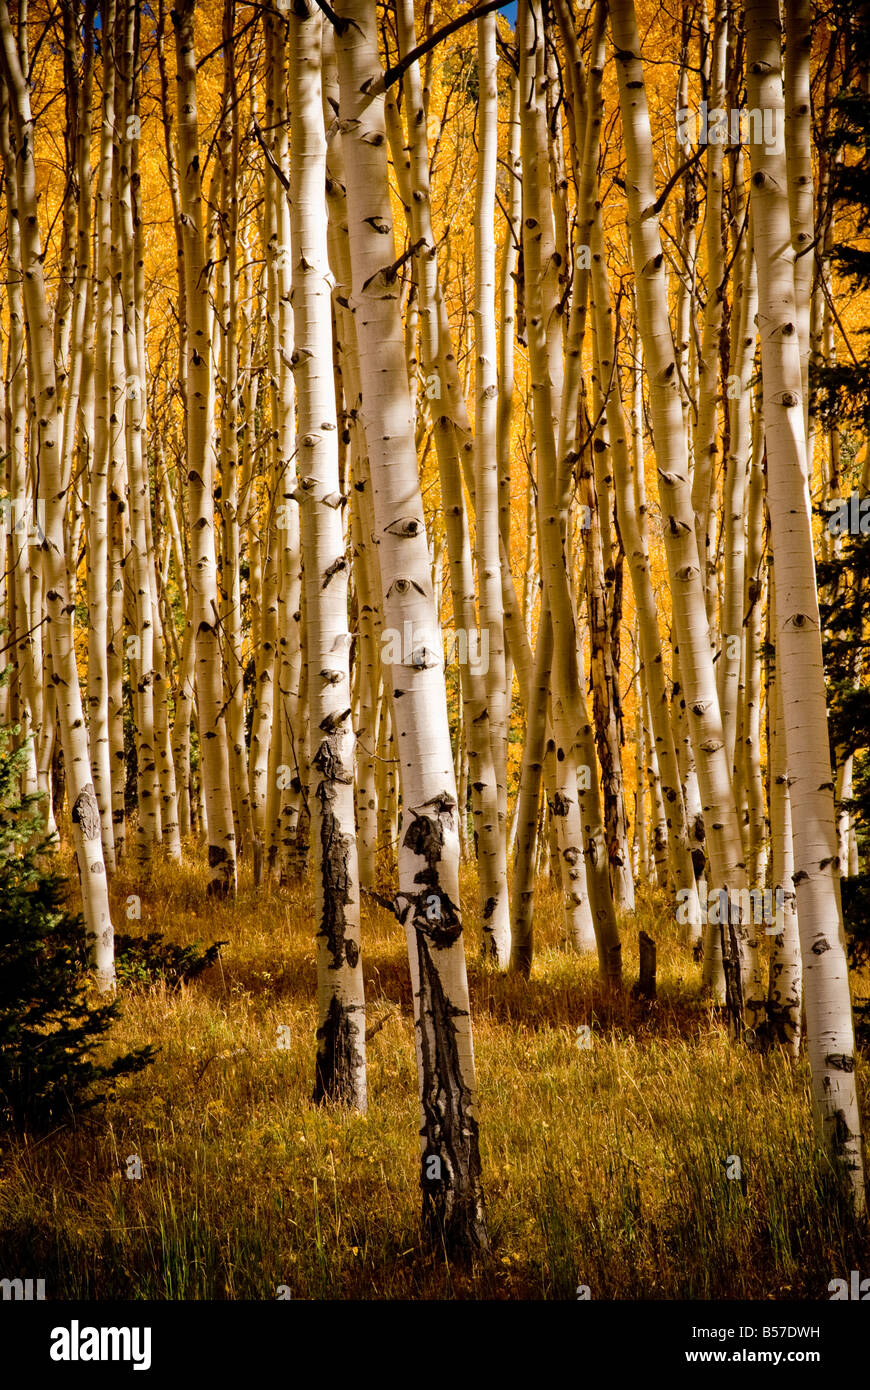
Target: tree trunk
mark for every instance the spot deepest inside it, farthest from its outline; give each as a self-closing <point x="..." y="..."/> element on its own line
<point x="428" y="900"/>
<point x="340" y="1072"/>
<point x="830" y="1030"/>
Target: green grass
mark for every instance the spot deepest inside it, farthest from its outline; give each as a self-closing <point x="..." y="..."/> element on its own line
<point x="604" y="1167"/>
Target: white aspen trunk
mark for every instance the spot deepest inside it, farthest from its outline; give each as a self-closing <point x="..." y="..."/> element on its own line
<point x="507" y="326"/>
<point x="138" y="494"/>
<point x="370" y="770"/>
<point x="228" y="317"/>
<point x="640" y="823"/>
<point x="603" y="672"/>
<point x="528" y="803"/>
<point x="201" y="465"/>
<point x="753" y="642"/>
<point x="582" y="844"/>
<point x="366" y="721"/>
<point x="454" y="450"/>
<point x="739" y="406"/>
<point x="23" y="614"/>
<point x="181" y="731"/>
<point x="98" y="575"/>
<point x="830" y="1030"/>
<point x="785" y="979"/>
<point x="428" y="900"/>
<point x="684" y="566"/>
<point x="633" y="524"/>
<point x="286" y="855"/>
<point x="340" y="1071"/>
<point x="59" y="590"/>
<point x="706" y="446"/>
<point x="115" y="619"/>
<point x="799" y="168"/>
<point x="496" y="911"/>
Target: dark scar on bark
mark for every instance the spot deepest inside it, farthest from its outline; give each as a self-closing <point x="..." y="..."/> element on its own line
<point x="86" y="813"/>
<point x="425" y="837"/>
<point x="453" y="1210"/>
<point x="840" y="1061"/>
<point x="335" y="850"/>
<point x="338" y="1058"/>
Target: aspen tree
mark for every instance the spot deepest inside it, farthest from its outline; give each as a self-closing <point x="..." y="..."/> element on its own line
<point x="98" y="482"/>
<point x="284" y="804"/>
<point x="428" y="899"/>
<point x="784" y="984"/>
<point x="506" y="330"/>
<point x="29" y="685"/>
<point x="341" y="1028"/>
<point x="830" y="1030"/>
<point x="201" y="464"/>
<point x="706" y="431"/>
<point x="640" y="820"/>
<point x="799" y="168"/>
<point x="483" y="716"/>
<point x="228" y="319"/>
<point x="372" y="694"/>
<point x="486" y="477"/>
<point x="739" y="407"/>
<point x="595" y="490"/>
<point x="633" y="529"/>
<point x="632" y="518"/>
<point x="672" y="461"/>
<point x="118" y="541"/>
<point x="138" y="490"/>
<point x="48" y="435"/>
<point x="750" y="711"/>
<point x="601" y="601"/>
<point x="583" y="849"/>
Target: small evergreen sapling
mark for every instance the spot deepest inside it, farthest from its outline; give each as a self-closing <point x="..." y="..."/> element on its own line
<point x="49" y="1029"/>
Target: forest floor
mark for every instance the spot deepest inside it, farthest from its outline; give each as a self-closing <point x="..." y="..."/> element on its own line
<point x="605" y="1166"/>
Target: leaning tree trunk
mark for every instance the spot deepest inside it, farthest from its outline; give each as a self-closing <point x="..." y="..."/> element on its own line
<point x="59" y="592"/>
<point x="428" y="899"/>
<point x="341" y="1070"/>
<point x="830" y="1029"/>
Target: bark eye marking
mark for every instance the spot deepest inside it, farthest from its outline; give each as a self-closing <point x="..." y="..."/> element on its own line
<point x="840" y="1061"/>
<point x="405" y="526"/>
<point x="800" y="621"/>
<point x="404" y="586"/>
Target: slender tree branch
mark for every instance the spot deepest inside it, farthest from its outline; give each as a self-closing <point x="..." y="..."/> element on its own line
<point x="271" y="160"/>
<point x="394" y="73"/>
<point x="677" y="174"/>
<point x="338" y="24"/>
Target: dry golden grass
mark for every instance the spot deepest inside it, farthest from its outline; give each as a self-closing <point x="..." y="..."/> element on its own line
<point x="604" y="1167"/>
